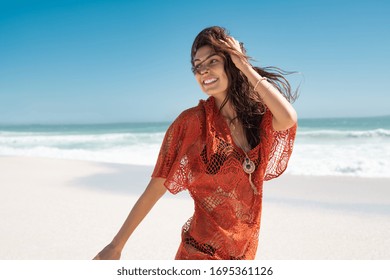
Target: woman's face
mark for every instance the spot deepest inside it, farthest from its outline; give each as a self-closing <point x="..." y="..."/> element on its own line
<point x="210" y="73"/>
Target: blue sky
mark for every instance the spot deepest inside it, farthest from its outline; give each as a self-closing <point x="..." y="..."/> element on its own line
<point x="129" y="61"/>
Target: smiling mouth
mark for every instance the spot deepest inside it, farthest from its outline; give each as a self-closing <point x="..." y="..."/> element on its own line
<point x="209" y="81"/>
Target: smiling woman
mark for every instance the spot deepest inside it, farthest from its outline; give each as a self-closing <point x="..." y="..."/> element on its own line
<point x="210" y="73"/>
<point x="221" y="151"/>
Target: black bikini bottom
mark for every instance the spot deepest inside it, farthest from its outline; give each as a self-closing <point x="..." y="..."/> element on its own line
<point x="206" y="248"/>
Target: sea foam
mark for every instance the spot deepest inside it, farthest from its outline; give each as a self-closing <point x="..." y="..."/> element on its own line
<point x="318" y="150"/>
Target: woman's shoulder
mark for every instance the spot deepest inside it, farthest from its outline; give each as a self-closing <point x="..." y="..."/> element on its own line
<point x="189" y="124"/>
<point x="193" y="115"/>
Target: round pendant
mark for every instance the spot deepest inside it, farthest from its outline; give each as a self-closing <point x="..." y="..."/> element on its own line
<point x="248" y="166"/>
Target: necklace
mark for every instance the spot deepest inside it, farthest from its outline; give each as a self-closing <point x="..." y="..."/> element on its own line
<point x="248" y="165"/>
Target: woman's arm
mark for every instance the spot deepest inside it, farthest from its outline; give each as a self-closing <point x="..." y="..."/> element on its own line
<point x="284" y="115"/>
<point x="154" y="191"/>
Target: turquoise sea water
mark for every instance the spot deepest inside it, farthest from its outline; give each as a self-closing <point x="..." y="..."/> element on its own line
<point x="339" y="146"/>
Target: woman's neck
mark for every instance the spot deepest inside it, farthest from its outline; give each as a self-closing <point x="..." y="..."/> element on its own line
<point x="227" y="110"/>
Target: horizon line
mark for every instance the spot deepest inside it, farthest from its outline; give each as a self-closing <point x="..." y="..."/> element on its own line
<point x="166" y="122"/>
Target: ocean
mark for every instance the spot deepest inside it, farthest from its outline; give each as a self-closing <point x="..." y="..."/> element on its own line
<point x="339" y="146"/>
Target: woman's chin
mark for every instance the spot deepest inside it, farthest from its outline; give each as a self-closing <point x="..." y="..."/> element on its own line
<point x="217" y="95"/>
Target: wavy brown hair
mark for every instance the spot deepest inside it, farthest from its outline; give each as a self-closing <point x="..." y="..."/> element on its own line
<point x="244" y="99"/>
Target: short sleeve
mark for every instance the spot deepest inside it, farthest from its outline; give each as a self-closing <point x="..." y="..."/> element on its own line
<point x="173" y="161"/>
<point x="280" y="147"/>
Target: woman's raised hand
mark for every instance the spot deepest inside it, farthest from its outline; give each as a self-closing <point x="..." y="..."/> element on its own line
<point x="239" y="59"/>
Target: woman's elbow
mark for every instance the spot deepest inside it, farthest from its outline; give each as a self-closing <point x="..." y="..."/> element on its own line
<point x="293" y="118"/>
<point x="288" y="121"/>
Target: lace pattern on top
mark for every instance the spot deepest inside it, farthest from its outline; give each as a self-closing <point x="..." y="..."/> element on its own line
<point x="198" y="154"/>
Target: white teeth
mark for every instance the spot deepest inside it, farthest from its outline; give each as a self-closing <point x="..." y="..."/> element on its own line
<point x="209" y="81"/>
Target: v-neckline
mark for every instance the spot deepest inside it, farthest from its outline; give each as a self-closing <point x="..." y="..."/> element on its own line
<point x="228" y="133"/>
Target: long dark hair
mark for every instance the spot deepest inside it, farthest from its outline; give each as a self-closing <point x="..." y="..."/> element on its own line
<point x="244" y="99"/>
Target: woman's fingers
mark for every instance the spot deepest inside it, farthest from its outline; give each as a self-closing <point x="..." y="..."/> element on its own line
<point x="234" y="43"/>
<point x="238" y="56"/>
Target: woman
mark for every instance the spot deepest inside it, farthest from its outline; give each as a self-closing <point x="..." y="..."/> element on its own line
<point x="221" y="151"/>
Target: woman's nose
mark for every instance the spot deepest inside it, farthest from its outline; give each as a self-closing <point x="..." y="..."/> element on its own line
<point x="203" y="69"/>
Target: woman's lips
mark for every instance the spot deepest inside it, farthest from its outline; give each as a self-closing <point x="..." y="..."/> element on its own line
<point x="209" y="81"/>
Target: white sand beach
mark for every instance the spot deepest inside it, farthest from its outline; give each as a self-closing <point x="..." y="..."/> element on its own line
<point x="68" y="210"/>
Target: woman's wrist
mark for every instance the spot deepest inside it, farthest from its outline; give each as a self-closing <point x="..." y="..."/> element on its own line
<point x="244" y="66"/>
<point x="250" y="73"/>
<point x="117" y="245"/>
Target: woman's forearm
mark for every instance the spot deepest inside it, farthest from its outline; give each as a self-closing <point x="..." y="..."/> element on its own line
<point x="284" y="114"/>
<point x="154" y="191"/>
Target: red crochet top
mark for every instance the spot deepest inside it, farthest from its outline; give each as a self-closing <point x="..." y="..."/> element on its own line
<point x="199" y="155"/>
